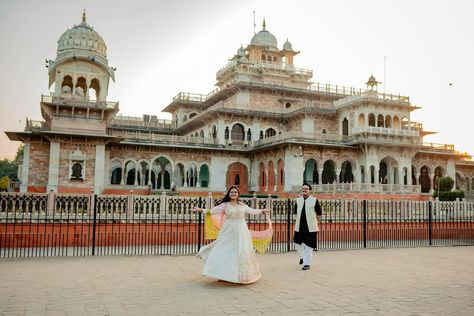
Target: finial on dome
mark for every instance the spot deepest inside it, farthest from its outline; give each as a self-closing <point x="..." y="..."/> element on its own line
<point x="84" y="16"/>
<point x="264" y="24"/>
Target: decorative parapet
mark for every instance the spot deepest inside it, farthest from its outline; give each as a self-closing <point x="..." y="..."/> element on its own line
<point x="365" y="188"/>
<point x="385" y="131"/>
<point x="48" y="99"/>
<point x="31" y="125"/>
<point x="133" y="121"/>
<point x="438" y="147"/>
<point x="364" y="96"/>
<point x="275" y="66"/>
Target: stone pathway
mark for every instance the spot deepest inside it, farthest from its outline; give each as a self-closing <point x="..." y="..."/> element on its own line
<point x="401" y="281"/>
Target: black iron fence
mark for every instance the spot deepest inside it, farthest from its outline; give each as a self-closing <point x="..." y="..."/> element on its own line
<point x="36" y="225"/>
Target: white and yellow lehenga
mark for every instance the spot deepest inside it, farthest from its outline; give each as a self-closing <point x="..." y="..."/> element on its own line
<point x="231" y="257"/>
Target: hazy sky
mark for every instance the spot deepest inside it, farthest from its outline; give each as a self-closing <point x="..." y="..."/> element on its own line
<point x="163" y="47"/>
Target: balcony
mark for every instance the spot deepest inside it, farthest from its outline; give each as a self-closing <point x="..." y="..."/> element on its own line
<point x="76" y="102"/>
<point x="297" y="136"/>
<point x="366" y="188"/>
<point x="133" y="121"/>
<point x="385" y="131"/>
<point x="364" y="95"/>
<point x="163" y="139"/>
<point x="32" y="125"/>
<point x="438" y="147"/>
<point x="266" y="65"/>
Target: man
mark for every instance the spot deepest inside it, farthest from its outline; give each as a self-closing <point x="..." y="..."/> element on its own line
<point x="308" y="214"/>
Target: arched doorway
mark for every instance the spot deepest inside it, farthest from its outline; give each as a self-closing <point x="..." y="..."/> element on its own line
<point x="329" y="172"/>
<point x="237" y="175"/>
<point x="425" y="179"/>
<point x="310" y="174"/>
<point x="346" y="175"/>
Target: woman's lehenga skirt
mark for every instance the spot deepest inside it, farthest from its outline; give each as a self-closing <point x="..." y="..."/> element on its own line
<point x="231" y="257"/>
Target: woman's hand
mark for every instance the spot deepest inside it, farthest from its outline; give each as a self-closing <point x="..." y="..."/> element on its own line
<point x="197" y="209"/>
<point x="267" y="212"/>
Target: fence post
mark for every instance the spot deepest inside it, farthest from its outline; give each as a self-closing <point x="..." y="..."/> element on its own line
<point x="209" y="200"/>
<point x="94" y="225"/>
<point x="200" y="204"/>
<point x="430" y="219"/>
<point x="364" y="209"/>
<point x="51" y="203"/>
<point x="288" y="226"/>
<point x="269" y="202"/>
<point x="456" y="208"/>
<point x="163" y="204"/>
<point x="130" y="204"/>
<point x="254" y="200"/>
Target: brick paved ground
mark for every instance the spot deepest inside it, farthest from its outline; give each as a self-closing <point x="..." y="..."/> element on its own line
<point x="412" y="281"/>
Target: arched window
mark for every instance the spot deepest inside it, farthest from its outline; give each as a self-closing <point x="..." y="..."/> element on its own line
<point x="388" y="121"/>
<point x="380" y="121"/>
<point x="66" y="86"/>
<point x="76" y="171"/>
<point x="249" y="135"/>
<point x="361" y="120"/>
<point x="95" y="88"/>
<point x="238" y="132"/>
<point x="226" y="132"/>
<point x="371" y="119"/>
<point x="345" y="127"/>
<point x="81" y="87"/>
<point x="192" y="115"/>
<point x="214" y="131"/>
<point x="237" y="179"/>
<point x="270" y="132"/>
<point x="261" y="134"/>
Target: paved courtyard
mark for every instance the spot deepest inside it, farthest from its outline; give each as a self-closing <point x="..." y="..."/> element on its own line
<point x="402" y="281"/>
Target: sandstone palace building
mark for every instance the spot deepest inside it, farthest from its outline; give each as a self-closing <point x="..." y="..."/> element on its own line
<point x="266" y="128"/>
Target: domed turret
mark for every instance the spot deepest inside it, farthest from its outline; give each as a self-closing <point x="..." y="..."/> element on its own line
<point x="81" y="64"/>
<point x="81" y="42"/>
<point x="79" y="38"/>
<point x="287" y="46"/>
<point x="264" y="38"/>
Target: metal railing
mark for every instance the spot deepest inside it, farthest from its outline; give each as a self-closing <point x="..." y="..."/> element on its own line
<point x="38" y="225"/>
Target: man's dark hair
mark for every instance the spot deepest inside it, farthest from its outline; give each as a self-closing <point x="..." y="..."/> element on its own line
<point x="308" y="185"/>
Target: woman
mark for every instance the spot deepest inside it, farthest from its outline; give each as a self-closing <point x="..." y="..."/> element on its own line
<point x="231" y="257"/>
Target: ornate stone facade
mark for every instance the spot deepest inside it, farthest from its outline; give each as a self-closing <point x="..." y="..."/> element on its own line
<point x="266" y="128"/>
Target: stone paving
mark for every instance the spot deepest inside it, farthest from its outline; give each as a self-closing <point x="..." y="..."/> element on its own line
<point x="401" y="281"/>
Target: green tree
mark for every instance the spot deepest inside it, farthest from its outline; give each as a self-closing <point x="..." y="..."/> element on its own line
<point x="444" y="192"/>
<point x="9" y="168"/>
<point x="4" y="183"/>
<point x="446" y="184"/>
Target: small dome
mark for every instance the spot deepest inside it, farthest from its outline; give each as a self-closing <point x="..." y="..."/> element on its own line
<point x="82" y="37"/>
<point x="241" y="52"/>
<point x="264" y="38"/>
<point x="287" y="46"/>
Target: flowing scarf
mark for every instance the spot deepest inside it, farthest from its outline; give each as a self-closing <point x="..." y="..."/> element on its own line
<point x="260" y="238"/>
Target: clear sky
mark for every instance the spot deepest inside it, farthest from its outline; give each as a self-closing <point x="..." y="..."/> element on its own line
<point x="163" y="47"/>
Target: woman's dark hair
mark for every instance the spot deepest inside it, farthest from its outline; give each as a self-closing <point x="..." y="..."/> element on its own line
<point x="226" y="197"/>
<point x="308" y="185"/>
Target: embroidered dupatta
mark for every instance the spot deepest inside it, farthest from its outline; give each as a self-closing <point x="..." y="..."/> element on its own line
<point x="260" y="238"/>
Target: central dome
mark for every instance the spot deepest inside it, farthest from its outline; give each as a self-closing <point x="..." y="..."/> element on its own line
<point x="264" y="38"/>
<point x="82" y="37"/>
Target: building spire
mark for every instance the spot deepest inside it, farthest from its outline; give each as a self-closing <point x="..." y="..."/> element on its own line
<point x="264" y="24"/>
<point x="84" y="16"/>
